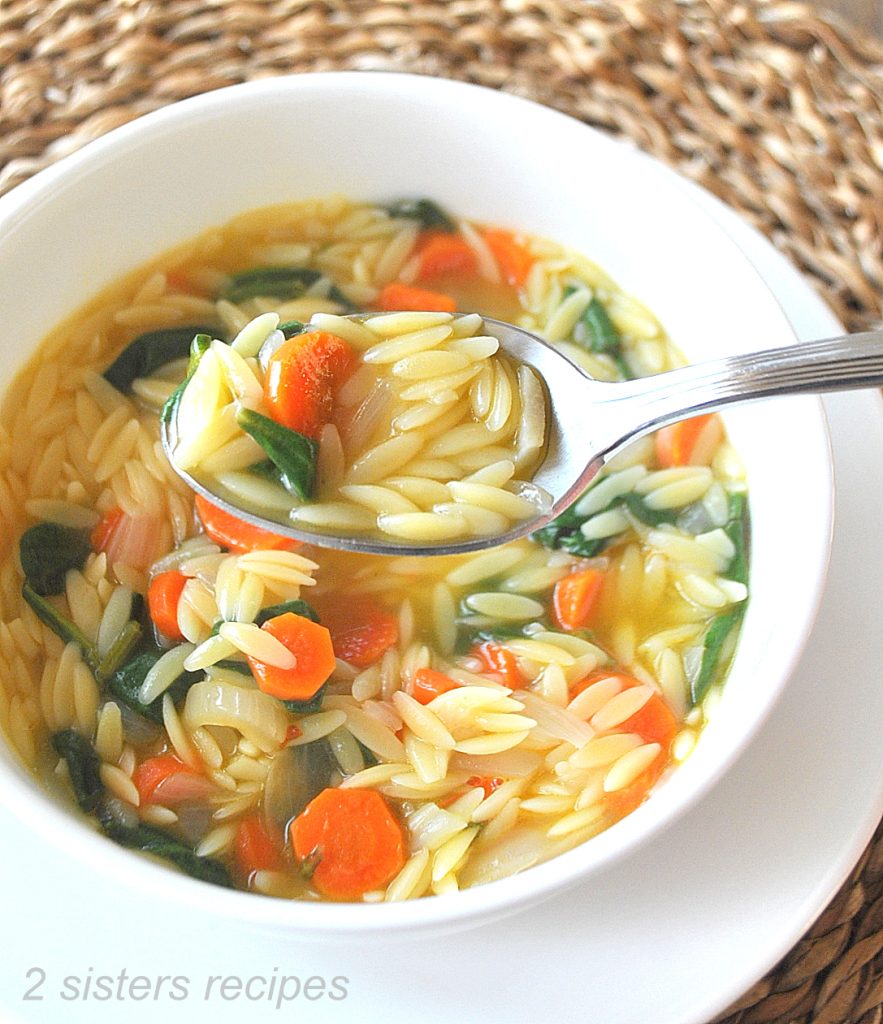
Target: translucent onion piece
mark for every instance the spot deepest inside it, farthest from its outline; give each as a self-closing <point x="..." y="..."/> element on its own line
<point x="258" y="716"/>
<point x="515" y="851"/>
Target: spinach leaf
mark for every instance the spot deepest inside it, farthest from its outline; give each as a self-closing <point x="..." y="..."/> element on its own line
<point x="639" y="508"/>
<point x="61" y="626"/>
<point x="290" y="328"/>
<point x="233" y="665"/>
<point x="150" y="351"/>
<point x="83" y="767"/>
<point x="279" y="283"/>
<point x="47" y="551"/>
<point x="715" y="637"/>
<point x="564" y="533"/>
<point x="149" y="839"/>
<point x="119" y="650"/>
<point x="267" y="470"/>
<point x="601" y="335"/>
<point x="737" y="529"/>
<point x="293" y="454"/>
<point x="430" y="214"/>
<point x="297" y="607"/>
<point x="125" y="684"/>
<point x="468" y="636"/>
<point x="307" y="707"/>
<point x="198" y="346"/>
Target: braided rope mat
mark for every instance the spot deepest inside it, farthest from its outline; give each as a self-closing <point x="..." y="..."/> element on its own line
<point x="777" y="111"/>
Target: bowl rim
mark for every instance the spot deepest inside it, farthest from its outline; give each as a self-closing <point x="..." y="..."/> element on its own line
<point x="482" y="902"/>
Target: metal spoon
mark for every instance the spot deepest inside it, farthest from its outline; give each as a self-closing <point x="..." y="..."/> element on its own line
<point x="590" y="421"/>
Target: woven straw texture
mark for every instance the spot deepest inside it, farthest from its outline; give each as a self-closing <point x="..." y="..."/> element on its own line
<point x="774" y="109"/>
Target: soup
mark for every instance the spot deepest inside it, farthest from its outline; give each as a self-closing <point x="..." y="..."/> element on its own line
<point x="315" y="724"/>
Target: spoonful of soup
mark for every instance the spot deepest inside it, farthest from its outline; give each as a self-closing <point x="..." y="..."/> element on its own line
<point x="433" y="433"/>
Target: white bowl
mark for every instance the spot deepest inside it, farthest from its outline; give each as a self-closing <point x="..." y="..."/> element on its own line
<point x="162" y="179"/>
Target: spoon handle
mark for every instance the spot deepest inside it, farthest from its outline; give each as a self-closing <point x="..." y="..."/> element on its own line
<point x="814" y="367"/>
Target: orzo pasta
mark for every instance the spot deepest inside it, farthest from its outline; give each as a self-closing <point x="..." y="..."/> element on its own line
<point x="317" y="724"/>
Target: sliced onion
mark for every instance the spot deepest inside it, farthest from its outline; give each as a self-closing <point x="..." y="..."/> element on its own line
<point x="356" y="429"/>
<point x="296" y="775"/>
<point x="554" y="720"/>
<point x="194" y="820"/>
<point x="430" y="826"/>
<point x="515" y="763"/>
<point x="133" y="541"/>
<point x="137" y="729"/>
<point x="515" y="851"/>
<point x="182" y="787"/>
<point x="258" y="716"/>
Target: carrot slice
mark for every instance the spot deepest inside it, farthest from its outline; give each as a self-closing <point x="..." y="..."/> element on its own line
<point x="310" y="644"/>
<point x="574" y="598"/>
<point x="361" y="632"/>
<point x="301" y="379"/>
<point x="655" y="722"/>
<point x="351" y="841"/>
<point x="487" y="783"/>
<point x="151" y="775"/>
<point x="104" y="530"/>
<point x="502" y="662"/>
<point x="163" y="595"/>
<point x="397" y="296"/>
<point x="689" y="443"/>
<point x="513" y="259"/>
<point x="255" y="848"/>
<point x="428" y="684"/>
<point x="624" y="801"/>
<point x="178" y="280"/>
<point x="442" y="253"/>
<point x="236" y="534"/>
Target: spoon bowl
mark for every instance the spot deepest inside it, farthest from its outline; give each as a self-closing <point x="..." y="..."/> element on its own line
<point x="589" y="421"/>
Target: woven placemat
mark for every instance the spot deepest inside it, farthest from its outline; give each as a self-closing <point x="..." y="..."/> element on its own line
<point x="774" y="109"/>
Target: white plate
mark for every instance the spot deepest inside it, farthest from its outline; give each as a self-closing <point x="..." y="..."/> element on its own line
<point x="712" y="904"/>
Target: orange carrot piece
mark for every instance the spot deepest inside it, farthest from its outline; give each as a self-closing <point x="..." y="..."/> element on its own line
<point x="310" y="643"/>
<point x="574" y="598"/>
<point x="655" y="722"/>
<point x="361" y="632"/>
<point x="254" y="848"/>
<point x="624" y="801"/>
<point x="397" y="296"/>
<point x="104" y="530"/>
<point x="501" y="662"/>
<point x="163" y="595"/>
<point x="154" y="771"/>
<point x="301" y="379"/>
<point x="429" y="684"/>
<point x="513" y="259"/>
<point x="587" y="681"/>
<point x="350" y="840"/>
<point x="236" y="534"/>
<point x="292" y="733"/>
<point x="690" y="442"/>
<point x="487" y="783"/>
<point x="178" y="280"/>
<point x="442" y="253"/>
